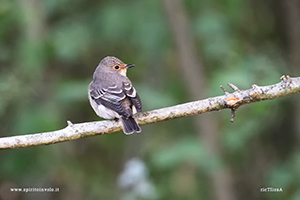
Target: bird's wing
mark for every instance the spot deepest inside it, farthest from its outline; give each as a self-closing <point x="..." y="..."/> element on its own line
<point x="133" y="95"/>
<point x="111" y="98"/>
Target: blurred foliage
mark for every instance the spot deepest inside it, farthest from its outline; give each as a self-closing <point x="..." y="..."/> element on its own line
<point x="49" y="51"/>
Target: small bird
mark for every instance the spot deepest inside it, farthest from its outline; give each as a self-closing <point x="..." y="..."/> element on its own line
<point x="112" y="95"/>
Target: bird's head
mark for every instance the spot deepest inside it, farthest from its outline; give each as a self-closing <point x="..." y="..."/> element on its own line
<point x="113" y="64"/>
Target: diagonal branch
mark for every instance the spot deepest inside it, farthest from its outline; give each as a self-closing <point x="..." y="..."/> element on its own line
<point x="232" y="101"/>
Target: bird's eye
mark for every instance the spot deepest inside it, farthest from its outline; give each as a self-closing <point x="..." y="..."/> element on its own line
<point x="117" y="67"/>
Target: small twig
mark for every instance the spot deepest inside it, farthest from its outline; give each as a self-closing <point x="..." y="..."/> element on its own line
<point x="233" y="112"/>
<point x="235" y="88"/>
<point x="221" y="86"/>
<point x="70" y="123"/>
<point x="231" y="101"/>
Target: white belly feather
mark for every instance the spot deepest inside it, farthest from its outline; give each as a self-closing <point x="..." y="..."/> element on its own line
<point x="106" y="113"/>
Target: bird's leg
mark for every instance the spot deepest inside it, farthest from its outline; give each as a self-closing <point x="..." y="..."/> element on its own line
<point x="116" y="119"/>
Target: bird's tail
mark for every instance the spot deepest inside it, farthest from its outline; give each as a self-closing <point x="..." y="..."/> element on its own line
<point x="129" y="125"/>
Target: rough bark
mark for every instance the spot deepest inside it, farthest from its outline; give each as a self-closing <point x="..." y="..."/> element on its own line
<point x="232" y="101"/>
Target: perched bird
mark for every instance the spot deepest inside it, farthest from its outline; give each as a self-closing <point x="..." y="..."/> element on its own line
<point x="112" y="95"/>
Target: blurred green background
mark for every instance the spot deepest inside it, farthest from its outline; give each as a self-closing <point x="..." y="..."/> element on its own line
<point x="183" y="51"/>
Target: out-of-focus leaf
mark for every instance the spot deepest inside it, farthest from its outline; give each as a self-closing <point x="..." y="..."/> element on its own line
<point x="37" y="119"/>
<point x="153" y="98"/>
<point x="72" y="91"/>
<point x="71" y="39"/>
<point x="188" y="150"/>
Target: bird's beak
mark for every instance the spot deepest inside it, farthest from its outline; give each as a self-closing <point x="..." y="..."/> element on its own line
<point x="129" y="65"/>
